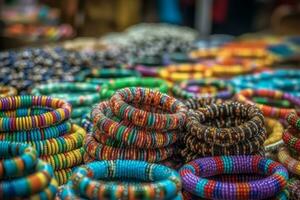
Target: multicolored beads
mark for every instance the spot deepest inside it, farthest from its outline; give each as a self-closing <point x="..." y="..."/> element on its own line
<point x="140" y="180"/>
<point x="195" y="177"/>
<point x="23" y="174"/>
<point x="269" y="111"/>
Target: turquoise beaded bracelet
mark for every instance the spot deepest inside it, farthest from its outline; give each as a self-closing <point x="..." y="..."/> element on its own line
<point x="109" y="88"/>
<point x="163" y="182"/>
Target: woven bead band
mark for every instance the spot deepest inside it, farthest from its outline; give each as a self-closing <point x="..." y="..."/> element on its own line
<point x="193" y="180"/>
<point x="163" y="183"/>
<point x="269" y="111"/>
<point x="288" y="161"/>
<point x="109" y="88"/>
<point x="121" y="108"/>
<point x="294" y="120"/>
<point x="62" y="112"/>
<point x="291" y="138"/>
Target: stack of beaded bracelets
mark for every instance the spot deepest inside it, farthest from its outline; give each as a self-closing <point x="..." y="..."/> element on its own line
<point x="108" y="89"/>
<point x="6" y="91"/>
<point x="23" y="175"/>
<point x="100" y="76"/>
<point x="229" y="128"/>
<point x="42" y="122"/>
<point x="289" y="155"/>
<point x="183" y="72"/>
<point x="139" y="180"/>
<point x="199" y="89"/>
<point x="123" y="131"/>
<point x="80" y="95"/>
<point x="269" y="111"/>
<point x="268" y="182"/>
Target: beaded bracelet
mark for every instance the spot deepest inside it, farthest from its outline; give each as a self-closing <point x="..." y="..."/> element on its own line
<point x="291" y="138"/>
<point x="197" y="103"/>
<point x="293" y="188"/>
<point x="62" y="112"/>
<point x="197" y="120"/>
<point x="105" y="75"/>
<point x="225" y="93"/>
<point x="109" y="88"/>
<point x="206" y="167"/>
<point x="62" y="144"/>
<point x="63" y="175"/>
<point x="269" y="111"/>
<point x="24" y="112"/>
<point x="293" y="120"/>
<point x="288" y="161"/>
<point x="163" y="182"/>
<point x="103" y="152"/>
<point x="82" y="93"/>
<point x="33" y="183"/>
<point x="121" y="108"/>
<point x="245" y="147"/>
<point x="38" y="134"/>
<point x="48" y="193"/>
<point x="184" y="72"/>
<point x="25" y="160"/>
<point x="274" y="131"/>
<point x="65" y="160"/>
<point x="126" y="133"/>
<point x="6" y="91"/>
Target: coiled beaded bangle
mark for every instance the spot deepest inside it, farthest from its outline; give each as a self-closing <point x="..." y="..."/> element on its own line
<point x="38" y="134"/>
<point x="294" y="120"/>
<point x="61" y="112"/>
<point x="26" y="159"/>
<point x="33" y="183"/>
<point x="288" y="161"/>
<point x="274" y="130"/>
<point x="163" y="182"/>
<point x="172" y="120"/>
<point x="103" y="152"/>
<point x="269" y="111"/>
<point x="291" y="138"/>
<point x="109" y="88"/>
<point x="181" y="90"/>
<point x="197" y="103"/>
<point x="124" y="132"/>
<point x="6" y="91"/>
<point x="197" y="120"/>
<point x="62" y="144"/>
<point x="75" y="93"/>
<point x="193" y="173"/>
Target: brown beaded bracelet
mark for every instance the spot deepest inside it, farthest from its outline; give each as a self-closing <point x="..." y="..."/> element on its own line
<point x="197" y="123"/>
<point x="196" y="103"/>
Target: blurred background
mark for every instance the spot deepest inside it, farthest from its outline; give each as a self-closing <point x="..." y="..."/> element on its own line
<point x="36" y="22"/>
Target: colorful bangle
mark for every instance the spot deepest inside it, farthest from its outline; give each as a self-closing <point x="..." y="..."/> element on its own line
<point x="291" y="138"/>
<point x="288" y="161"/>
<point x="33" y="183"/>
<point x="6" y="91"/>
<point x="68" y="142"/>
<point x="65" y="160"/>
<point x="121" y="108"/>
<point x="62" y="112"/>
<point x="225" y="90"/>
<point x="25" y="158"/>
<point x="293" y="120"/>
<point x="62" y="176"/>
<point x="106" y="74"/>
<point x="99" y="151"/>
<point x="106" y="123"/>
<point x="265" y="188"/>
<point x="48" y="193"/>
<point x="163" y="182"/>
<point x="37" y="134"/>
<point x="182" y="72"/>
<point x="111" y="87"/>
<point x="251" y="124"/>
<point x="269" y="111"/>
<point x="197" y="103"/>
<point x="77" y="94"/>
<point x="274" y="131"/>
